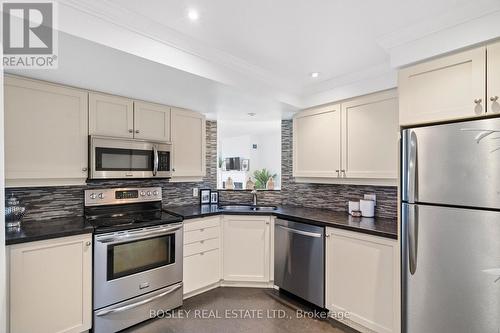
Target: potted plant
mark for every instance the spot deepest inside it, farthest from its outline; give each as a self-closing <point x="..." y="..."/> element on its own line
<point x="261" y="178"/>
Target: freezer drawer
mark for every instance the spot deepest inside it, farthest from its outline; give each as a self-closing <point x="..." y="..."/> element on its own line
<point x="453" y="164"/>
<point x="299" y="260"/>
<point x="451" y="270"/>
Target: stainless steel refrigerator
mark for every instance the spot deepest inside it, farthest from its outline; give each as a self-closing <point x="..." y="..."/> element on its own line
<point x="451" y="228"/>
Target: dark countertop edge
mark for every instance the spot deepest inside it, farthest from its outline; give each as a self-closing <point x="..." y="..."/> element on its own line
<point x="39" y="230"/>
<point x="337" y="225"/>
<point x="291" y="218"/>
<point x="62" y="233"/>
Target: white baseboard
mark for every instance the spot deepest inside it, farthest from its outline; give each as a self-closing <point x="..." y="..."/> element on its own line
<point x="222" y="283"/>
<point x="201" y="290"/>
<point x="244" y="284"/>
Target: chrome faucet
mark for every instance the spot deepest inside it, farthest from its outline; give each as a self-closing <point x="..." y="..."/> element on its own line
<point x="254" y="194"/>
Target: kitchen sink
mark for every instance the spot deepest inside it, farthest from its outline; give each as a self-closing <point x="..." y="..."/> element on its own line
<point x="248" y="207"/>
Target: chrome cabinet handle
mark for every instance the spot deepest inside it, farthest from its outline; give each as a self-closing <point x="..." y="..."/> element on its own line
<point x="478" y="100"/>
<point x="134" y="305"/>
<point x="494" y="98"/>
<point x="131" y="131"/>
<point x="343" y="173"/>
<point x="338" y="173"/>
<point x="84" y="169"/>
<point x="137" y="131"/>
<point x="88" y="243"/>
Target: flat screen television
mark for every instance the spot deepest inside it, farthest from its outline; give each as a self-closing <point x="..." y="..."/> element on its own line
<point x="233" y="163"/>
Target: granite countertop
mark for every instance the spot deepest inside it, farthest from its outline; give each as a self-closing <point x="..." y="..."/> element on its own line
<point x="39" y="230"/>
<point x="324" y="217"/>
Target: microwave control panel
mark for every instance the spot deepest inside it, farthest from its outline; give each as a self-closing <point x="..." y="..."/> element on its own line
<point x="163" y="161"/>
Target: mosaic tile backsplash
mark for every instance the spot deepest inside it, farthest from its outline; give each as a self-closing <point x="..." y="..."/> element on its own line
<point x="63" y="201"/>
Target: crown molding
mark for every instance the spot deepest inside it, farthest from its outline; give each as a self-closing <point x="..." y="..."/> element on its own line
<point x="369" y="80"/>
<point x="470" y="24"/>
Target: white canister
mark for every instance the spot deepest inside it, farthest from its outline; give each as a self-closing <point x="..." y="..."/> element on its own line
<point x="367" y="208"/>
<point x="352" y="205"/>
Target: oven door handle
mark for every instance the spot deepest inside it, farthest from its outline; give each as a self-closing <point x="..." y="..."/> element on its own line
<point x="134" y="305"/>
<point x="116" y="239"/>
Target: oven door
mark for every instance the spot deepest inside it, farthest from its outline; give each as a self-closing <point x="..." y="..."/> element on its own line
<point x="135" y="262"/>
<point x="126" y="158"/>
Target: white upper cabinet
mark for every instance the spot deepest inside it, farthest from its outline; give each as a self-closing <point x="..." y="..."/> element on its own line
<point x="316" y="142"/>
<point x="370" y="136"/>
<point x="246" y="248"/>
<point x="151" y="121"/>
<point x="355" y="142"/>
<point x="45" y="133"/>
<point x="447" y="88"/>
<point x="493" y="75"/>
<point x="362" y="279"/>
<point x="124" y="118"/>
<point x="111" y="115"/>
<point x="51" y="282"/>
<point x="188" y="130"/>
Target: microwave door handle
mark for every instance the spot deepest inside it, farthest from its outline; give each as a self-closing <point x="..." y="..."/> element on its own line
<point x="155" y="162"/>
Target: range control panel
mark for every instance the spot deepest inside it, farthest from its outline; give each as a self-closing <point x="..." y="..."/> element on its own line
<point x="116" y="196"/>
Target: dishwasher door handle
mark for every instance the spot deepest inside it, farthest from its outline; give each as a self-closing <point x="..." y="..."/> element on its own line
<point x="300" y="232"/>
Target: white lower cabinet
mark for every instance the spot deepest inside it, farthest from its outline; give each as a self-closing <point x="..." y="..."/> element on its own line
<point x="246" y="247"/>
<point x="202" y="254"/>
<point x="50" y="285"/>
<point x="362" y="279"/>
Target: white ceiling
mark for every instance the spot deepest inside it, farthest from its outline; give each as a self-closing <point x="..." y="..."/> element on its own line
<point x="93" y="66"/>
<point x="292" y="38"/>
<point x="256" y="56"/>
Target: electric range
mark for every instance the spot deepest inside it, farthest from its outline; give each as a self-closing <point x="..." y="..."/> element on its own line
<point x="137" y="256"/>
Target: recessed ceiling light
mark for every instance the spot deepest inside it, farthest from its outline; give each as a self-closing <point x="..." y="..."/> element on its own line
<point x="314" y="75"/>
<point x="193" y="15"/>
<point x="252" y="114"/>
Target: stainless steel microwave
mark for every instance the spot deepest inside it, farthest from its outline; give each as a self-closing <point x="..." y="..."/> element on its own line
<point x="118" y="158"/>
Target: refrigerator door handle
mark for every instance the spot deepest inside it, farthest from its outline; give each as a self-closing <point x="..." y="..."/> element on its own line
<point x="413" y="168"/>
<point x="413" y="238"/>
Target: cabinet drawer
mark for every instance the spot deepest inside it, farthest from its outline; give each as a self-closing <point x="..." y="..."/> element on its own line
<point x="201" y="246"/>
<point x="201" y="270"/>
<point x="201" y="224"/>
<point x="201" y="234"/>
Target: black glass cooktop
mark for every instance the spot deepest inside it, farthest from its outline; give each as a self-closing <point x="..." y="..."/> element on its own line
<point x="107" y="219"/>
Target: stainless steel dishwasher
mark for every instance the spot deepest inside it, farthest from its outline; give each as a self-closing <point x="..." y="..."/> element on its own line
<point x="299" y="260"/>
